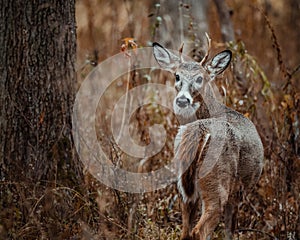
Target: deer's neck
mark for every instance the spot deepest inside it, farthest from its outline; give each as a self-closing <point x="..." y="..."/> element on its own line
<point x="209" y="107"/>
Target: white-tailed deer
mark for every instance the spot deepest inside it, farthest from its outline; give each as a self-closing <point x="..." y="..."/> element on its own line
<point x="218" y="149"/>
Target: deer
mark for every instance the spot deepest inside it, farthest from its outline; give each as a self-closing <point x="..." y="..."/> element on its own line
<point x="218" y="150"/>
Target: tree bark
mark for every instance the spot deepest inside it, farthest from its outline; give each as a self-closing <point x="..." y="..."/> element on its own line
<point x="227" y="29"/>
<point x="37" y="75"/>
<point x="37" y="56"/>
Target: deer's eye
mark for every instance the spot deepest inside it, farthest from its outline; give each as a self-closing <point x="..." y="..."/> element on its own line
<point x="177" y="78"/>
<point x="199" y="80"/>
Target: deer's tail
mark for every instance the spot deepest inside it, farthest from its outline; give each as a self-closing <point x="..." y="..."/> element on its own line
<point x="189" y="156"/>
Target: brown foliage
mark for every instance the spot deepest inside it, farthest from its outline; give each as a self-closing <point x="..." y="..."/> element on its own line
<point x="265" y="52"/>
<point x="267" y="93"/>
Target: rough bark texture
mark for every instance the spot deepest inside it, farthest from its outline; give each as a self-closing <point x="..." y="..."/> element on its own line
<point x="227" y="30"/>
<point x="37" y="56"/>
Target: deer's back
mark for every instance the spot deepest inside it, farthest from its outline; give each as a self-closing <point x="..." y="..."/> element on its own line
<point x="234" y="152"/>
<point x="251" y="151"/>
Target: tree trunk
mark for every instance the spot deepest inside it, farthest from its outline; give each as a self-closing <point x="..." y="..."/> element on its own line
<point x="227" y="30"/>
<point x="37" y="57"/>
<point x="37" y="49"/>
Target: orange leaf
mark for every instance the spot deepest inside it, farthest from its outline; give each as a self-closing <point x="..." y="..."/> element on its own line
<point x="42" y="117"/>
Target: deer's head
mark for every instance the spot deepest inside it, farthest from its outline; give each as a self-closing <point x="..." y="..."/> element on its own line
<point x="191" y="78"/>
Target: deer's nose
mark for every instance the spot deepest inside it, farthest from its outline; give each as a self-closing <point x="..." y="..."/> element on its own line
<point x="182" y="101"/>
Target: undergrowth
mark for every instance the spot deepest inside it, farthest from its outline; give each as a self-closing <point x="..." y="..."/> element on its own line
<point x="268" y="94"/>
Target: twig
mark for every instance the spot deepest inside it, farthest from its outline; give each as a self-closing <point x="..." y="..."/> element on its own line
<point x="126" y="103"/>
<point x="276" y="45"/>
<point x="296" y="69"/>
<point x="290" y="75"/>
<point x="258" y="231"/>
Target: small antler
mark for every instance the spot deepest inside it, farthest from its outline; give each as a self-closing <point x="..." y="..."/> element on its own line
<point x="180" y="51"/>
<point x="208" y="49"/>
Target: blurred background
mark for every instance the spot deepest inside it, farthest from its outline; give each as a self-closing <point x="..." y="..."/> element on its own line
<point x="262" y="83"/>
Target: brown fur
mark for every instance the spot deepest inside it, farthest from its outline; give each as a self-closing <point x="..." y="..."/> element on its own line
<point x="217" y="149"/>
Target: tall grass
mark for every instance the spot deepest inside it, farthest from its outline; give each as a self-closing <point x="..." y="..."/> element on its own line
<point x="266" y="52"/>
<point x="269" y="95"/>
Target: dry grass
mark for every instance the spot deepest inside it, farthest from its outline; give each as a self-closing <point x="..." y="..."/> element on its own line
<point x="269" y="95"/>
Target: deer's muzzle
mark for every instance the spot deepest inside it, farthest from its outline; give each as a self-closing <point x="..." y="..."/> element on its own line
<point x="182" y="101"/>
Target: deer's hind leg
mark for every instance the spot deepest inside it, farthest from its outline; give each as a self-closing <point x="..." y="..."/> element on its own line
<point x="189" y="211"/>
<point x="230" y="214"/>
<point x="212" y="205"/>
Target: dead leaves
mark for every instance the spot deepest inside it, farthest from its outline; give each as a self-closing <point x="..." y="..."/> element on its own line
<point x="127" y="45"/>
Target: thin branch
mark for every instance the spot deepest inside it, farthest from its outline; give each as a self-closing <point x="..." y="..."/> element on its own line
<point x="290" y="76"/>
<point x="258" y="231"/>
<point x="126" y="103"/>
<point x="180" y="51"/>
<point x="276" y="45"/>
<point x="296" y="69"/>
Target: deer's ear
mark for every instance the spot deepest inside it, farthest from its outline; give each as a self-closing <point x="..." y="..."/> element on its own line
<point x="164" y="58"/>
<point x="219" y="63"/>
